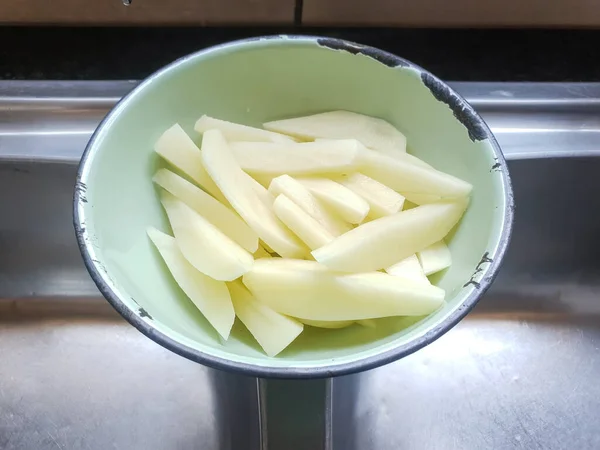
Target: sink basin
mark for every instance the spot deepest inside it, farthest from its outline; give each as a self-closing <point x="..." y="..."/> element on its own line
<point x="520" y="371"/>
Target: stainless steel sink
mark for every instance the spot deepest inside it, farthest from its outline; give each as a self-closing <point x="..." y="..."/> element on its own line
<point x="521" y="371"/>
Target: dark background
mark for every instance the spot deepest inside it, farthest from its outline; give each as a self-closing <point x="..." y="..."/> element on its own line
<point x="469" y="55"/>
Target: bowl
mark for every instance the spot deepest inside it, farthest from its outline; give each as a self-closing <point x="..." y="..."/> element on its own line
<point x="253" y="81"/>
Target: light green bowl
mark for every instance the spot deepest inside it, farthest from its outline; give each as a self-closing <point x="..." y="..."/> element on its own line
<point x="254" y="81"/>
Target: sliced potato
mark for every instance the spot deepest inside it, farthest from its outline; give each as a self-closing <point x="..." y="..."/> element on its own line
<point x="393" y="154"/>
<point x="210" y="296"/>
<point x="177" y="147"/>
<point x="412" y="180"/>
<point x="379" y="244"/>
<point x="329" y="325"/>
<point x="382" y="200"/>
<point x="308" y="290"/>
<point x="434" y="258"/>
<point x="301" y="196"/>
<point x="341" y="200"/>
<point x="304" y="158"/>
<point x="311" y="232"/>
<point x="208" y="207"/>
<point x="203" y="245"/>
<point x="410" y="269"/>
<point x="367" y="323"/>
<point x="236" y="132"/>
<point x="373" y="132"/>
<point x="249" y="199"/>
<point x="273" y="331"/>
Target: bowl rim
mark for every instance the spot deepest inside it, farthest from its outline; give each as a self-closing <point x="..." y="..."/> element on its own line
<point x="294" y="372"/>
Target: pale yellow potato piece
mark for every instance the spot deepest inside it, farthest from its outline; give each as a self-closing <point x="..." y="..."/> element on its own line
<point x="382" y="200"/>
<point x="308" y="290"/>
<point x="210" y="296"/>
<point x="412" y="180"/>
<point x="304" y="158"/>
<point x="208" y="207"/>
<point x="410" y="269"/>
<point x="383" y="242"/>
<point x="392" y="153"/>
<point x="367" y="323"/>
<point x="177" y="147"/>
<point x="237" y="132"/>
<point x="371" y="131"/>
<point x="434" y="258"/>
<point x="247" y="197"/>
<point x="204" y="245"/>
<point x="301" y="196"/>
<point x="311" y="232"/>
<point x="273" y="331"/>
<point x="349" y="206"/>
<point x="329" y="325"/>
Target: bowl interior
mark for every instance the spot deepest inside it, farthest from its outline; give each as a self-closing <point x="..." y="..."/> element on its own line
<point x="251" y="82"/>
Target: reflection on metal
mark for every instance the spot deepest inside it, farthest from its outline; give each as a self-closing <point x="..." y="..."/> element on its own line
<point x="520" y="372"/>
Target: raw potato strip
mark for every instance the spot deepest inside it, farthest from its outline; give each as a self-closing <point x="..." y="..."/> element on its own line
<point x="373" y="132"/>
<point x="328" y="325"/>
<point x="383" y="242"/>
<point x="203" y="245"/>
<point x="434" y="258"/>
<point x="273" y="331"/>
<point x="177" y="147"/>
<point x="382" y="200"/>
<point x="208" y="207"/>
<point x="308" y="290"/>
<point x="304" y="158"/>
<point x="311" y="232"/>
<point x="236" y="132"/>
<point x="249" y="199"/>
<point x="393" y="154"/>
<point x="294" y="190"/>
<point x="411" y="180"/>
<point x="210" y="296"/>
<point x="350" y="206"/>
<point x="410" y="269"/>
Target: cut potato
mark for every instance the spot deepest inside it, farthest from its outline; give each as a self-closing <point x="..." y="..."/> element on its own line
<point x="367" y="323"/>
<point x="208" y="207"/>
<point x="311" y="232"/>
<point x="341" y="200"/>
<point x="383" y="242"/>
<point x="236" y="132"/>
<point x="393" y="154"/>
<point x="412" y="180"/>
<point x="302" y="197"/>
<point x="249" y="199"/>
<point x="210" y="296"/>
<point x="308" y="290"/>
<point x="177" y="147"/>
<point x="410" y="269"/>
<point x="203" y="245"/>
<point x="329" y="325"/>
<point x="273" y="331"/>
<point x="434" y="258"/>
<point x="382" y="200"/>
<point x="373" y="132"/>
<point x="304" y="158"/>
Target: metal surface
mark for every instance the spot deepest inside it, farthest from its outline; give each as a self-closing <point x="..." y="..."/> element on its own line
<point x="520" y="372"/>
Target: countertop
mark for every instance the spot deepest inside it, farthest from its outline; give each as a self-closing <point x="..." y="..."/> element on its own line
<point x="467" y="55"/>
